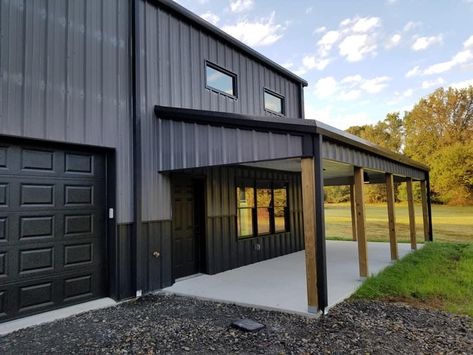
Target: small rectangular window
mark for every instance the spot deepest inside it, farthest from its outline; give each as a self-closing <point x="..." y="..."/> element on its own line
<point x="264" y="204"/>
<point x="280" y="208"/>
<point x="262" y="208"/>
<point x="273" y="102"/>
<point x="245" y="208"/>
<point x="220" y="79"/>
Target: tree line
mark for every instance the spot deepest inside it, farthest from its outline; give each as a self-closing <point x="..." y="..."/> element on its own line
<point x="438" y="132"/>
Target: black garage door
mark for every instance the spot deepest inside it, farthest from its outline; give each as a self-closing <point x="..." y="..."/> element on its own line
<point x="52" y="229"/>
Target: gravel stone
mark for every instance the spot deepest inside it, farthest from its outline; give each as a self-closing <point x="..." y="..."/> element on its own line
<point x="169" y="324"/>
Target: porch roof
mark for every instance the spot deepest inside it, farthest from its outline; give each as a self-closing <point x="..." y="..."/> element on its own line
<point x="287" y="125"/>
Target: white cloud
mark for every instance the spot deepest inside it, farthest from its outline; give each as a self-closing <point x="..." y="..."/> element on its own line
<point x="365" y="24"/>
<point x="240" y="5"/>
<point x="427" y="84"/>
<point x="326" y="87"/>
<point x="461" y="57"/>
<point x="393" y="41"/>
<point x="210" y="17"/>
<point x="462" y="84"/>
<point x="407" y="93"/>
<point x="350" y="87"/>
<point x="401" y="96"/>
<point x="258" y="33"/>
<point x="356" y="47"/>
<point x="308" y="10"/>
<point x="414" y="72"/>
<point x="355" y="38"/>
<point x="311" y="62"/>
<point x="423" y="43"/>
<point x="411" y="25"/>
<point x="469" y="42"/>
<point x="327" y="41"/>
<point x="360" y="38"/>
<point x="375" y="85"/>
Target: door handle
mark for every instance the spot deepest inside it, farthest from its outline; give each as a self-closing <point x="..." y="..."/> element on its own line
<point x="156" y="254"/>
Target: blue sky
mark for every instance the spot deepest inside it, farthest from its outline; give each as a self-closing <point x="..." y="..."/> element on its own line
<point x="362" y="59"/>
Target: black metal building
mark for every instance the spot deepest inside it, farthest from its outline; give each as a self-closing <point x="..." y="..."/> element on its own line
<point x="140" y="144"/>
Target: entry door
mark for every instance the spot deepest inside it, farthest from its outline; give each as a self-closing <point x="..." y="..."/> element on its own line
<point x="185" y="238"/>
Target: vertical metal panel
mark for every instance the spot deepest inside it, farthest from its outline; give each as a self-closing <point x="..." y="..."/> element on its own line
<point x="341" y="153"/>
<point x="173" y="57"/>
<point x="64" y="68"/>
<point x="188" y="145"/>
<point x="224" y="250"/>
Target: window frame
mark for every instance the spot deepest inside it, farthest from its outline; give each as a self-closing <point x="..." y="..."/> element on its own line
<point x="262" y="184"/>
<point x="277" y="95"/>
<point x="234" y="76"/>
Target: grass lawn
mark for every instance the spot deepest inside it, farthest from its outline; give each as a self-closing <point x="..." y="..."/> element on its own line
<point x="439" y="275"/>
<point x="452" y="224"/>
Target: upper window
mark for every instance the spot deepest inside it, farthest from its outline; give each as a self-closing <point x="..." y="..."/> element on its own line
<point x="273" y="102"/>
<point x="220" y="79"/>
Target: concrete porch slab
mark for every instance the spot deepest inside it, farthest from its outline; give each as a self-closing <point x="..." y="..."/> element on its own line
<point x="280" y="283"/>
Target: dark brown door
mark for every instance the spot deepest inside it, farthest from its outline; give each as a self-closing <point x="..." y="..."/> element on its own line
<point x="185" y="238"/>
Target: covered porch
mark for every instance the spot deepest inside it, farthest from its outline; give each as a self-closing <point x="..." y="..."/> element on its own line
<point x="315" y="155"/>
<point x="280" y="283"/>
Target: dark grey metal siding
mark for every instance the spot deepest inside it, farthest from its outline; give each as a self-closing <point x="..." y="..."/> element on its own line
<point x="64" y="67"/>
<point x="341" y="153"/>
<point x="172" y="62"/>
<point x="224" y="250"/>
<point x="186" y="145"/>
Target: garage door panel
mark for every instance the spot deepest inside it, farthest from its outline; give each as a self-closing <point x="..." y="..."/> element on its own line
<point x="3" y="156"/>
<point x="36" y="195"/>
<point x="36" y="227"/>
<point x="2" y="304"/>
<point x="4" y="194"/>
<point x="52" y="229"/>
<point x="3" y="229"/>
<point x="78" y="287"/>
<point x="36" y="260"/>
<point x="3" y="265"/>
<point x="35" y="159"/>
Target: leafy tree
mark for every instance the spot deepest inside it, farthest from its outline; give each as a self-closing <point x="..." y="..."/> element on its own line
<point x="439" y="132"/>
<point x="442" y="119"/>
<point x="452" y="172"/>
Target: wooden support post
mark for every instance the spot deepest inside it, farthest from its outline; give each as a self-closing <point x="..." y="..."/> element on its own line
<point x="308" y="204"/>
<point x="425" y="210"/>
<point x="391" y="216"/>
<point x="412" y="215"/>
<point x="361" y="223"/>
<point x="353" y="211"/>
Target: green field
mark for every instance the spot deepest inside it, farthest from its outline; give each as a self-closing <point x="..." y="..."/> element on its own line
<point x="450" y="223"/>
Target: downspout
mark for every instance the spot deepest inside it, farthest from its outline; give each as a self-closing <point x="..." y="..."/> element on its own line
<point x="321" y="261"/>
<point x="429" y="209"/>
<point x="136" y="245"/>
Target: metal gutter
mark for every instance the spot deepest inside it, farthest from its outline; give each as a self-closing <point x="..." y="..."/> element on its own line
<point x="286" y="125"/>
<point x="197" y="20"/>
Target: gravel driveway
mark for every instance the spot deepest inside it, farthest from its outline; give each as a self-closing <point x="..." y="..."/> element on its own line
<point x="172" y="324"/>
